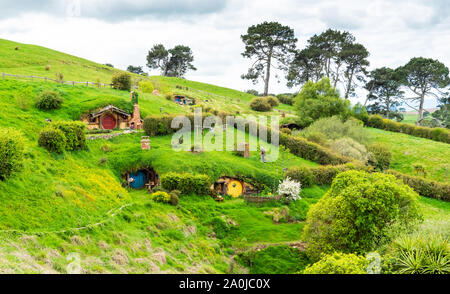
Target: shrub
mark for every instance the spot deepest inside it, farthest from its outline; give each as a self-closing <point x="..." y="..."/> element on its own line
<point x="74" y="133"/>
<point x="273" y="101"/>
<point x="121" y="81"/>
<point x="350" y="148"/>
<point x="338" y="263"/>
<point x="421" y="255"/>
<point x="52" y="139"/>
<point x="285" y="99"/>
<point x="375" y="121"/>
<point x="287" y="131"/>
<point x="146" y="86"/>
<point x="380" y="157"/>
<point x="360" y="112"/>
<point x="260" y="104"/>
<point x="187" y="183"/>
<point x="11" y="152"/>
<point x="49" y="100"/>
<point x="303" y="174"/>
<point x="48" y="67"/>
<point x="358" y="213"/>
<point x="290" y="189"/>
<point x="334" y="128"/>
<point x="174" y="199"/>
<point x="169" y="96"/>
<point x="318" y="100"/>
<point x="161" y="196"/>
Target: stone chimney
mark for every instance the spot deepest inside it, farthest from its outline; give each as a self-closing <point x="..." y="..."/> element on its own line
<point x="136" y="120"/>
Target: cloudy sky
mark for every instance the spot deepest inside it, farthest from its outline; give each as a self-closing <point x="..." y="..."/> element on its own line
<point x="122" y="31"/>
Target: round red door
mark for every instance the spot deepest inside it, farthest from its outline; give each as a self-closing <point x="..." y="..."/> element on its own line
<point x="108" y="122"/>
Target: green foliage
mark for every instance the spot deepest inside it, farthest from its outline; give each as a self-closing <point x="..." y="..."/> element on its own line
<point x="436" y="134"/>
<point x="174" y="197"/>
<point x="267" y="42"/>
<point x="146" y="86"/>
<point x="425" y="187"/>
<point x="221" y="227"/>
<point x="358" y="212"/>
<point x="273" y="101"/>
<point x="134" y="97"/>
<point x="52" y="139"/>
<point x="302" y="174"/>
<point x="187" y="183"/>
<point x="311" y="151"/>
<point x="381" y="156"/>
<point x="339" y="264"/>
<point x="49" y="100"/>
<point x="360" y="112"/>
<point x="161" y="196"/>
<point x="350" y="148"/>
<point x="174" y="62"/>
<point x="121" y="81"/>
<point x="74" y="133"/>
<point x="318" y="100"/>
<point x="275" y="260"/>
<point x="287" y="99"/>
<point x="334" y="128"/>
<point x="420" y="255"/>
<point x="11" y="152"/>
<point x="260" y="104"/>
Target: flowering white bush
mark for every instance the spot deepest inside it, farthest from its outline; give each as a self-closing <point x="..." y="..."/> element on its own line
<point x="290" y="189"/>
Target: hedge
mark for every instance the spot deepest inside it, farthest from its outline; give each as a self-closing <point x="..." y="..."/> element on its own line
<point x="324" y="175"/>
<point x="435" y="134"/>
<point x="187" y="183"/>
<point x="161" y="125"/>
<point x="424" y="187"/>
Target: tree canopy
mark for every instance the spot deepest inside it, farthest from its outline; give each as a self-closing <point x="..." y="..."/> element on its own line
<point x="265" y="43"/>
<point x="424" y="77"/>
<point x="135" y="69"/>
<point x="174" y="62"/>
<point x="317" y="100"/>
<point x="385" y="93"/>
<point x="332" y="54"/>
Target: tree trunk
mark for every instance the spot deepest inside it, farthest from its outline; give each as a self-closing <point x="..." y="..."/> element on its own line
<point x="349" y="85"/>
<point x="422" y="98"/>
<point x="266" y="80"/>
<point x="388" y="112"/>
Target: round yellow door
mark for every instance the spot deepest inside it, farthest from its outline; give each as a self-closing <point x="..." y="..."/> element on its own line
<point x="234" y="188"/>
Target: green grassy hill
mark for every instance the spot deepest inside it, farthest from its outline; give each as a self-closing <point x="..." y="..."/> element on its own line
<point x="58" y="205"/>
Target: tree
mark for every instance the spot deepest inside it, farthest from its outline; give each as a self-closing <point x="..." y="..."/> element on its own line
<point x="265" y="43"/>
<point x="332" y="54"/>
<point x="305" y="66"/>
<point x="443" y="114"/>
<point x="174" y="62"/>
<point x="359" y="213"/>
<point x="135" y="69"/>
<point x="424" y="77"/>
<point x="317" y="100"/>
<point x="355" y="58"/>
<point x="385" y="92"/>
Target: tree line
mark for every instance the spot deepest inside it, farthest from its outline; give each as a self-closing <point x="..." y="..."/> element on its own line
<point x="333" y="54"/>
<point x="337" y="56"/>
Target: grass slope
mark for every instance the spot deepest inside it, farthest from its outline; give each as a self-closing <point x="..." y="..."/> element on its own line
<point x="408" y="150"/>
<point x="32" y="60"/>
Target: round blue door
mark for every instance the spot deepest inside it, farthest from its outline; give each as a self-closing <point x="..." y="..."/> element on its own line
<point x="139" y="180"/>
